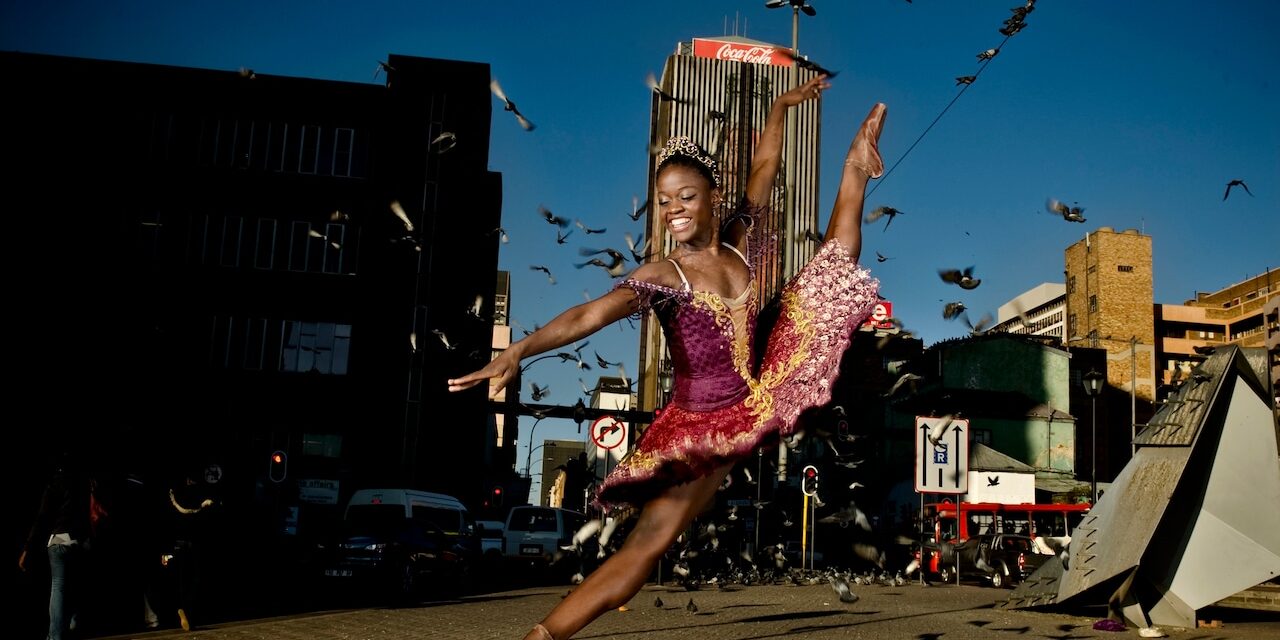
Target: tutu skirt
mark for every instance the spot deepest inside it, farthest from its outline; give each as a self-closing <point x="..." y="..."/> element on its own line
<point x="820" y="309"/>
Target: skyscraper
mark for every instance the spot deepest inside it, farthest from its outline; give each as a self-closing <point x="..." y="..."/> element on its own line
<point x="718" y="92"/>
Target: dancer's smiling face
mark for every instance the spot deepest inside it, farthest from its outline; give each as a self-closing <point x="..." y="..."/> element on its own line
<point x="686" y="201"/>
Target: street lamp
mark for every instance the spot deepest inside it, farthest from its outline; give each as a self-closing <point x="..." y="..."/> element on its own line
<point x="791" y="150"/>
<point x="529" y="456"/>
<point x="541" y="465"/>
<point x="666" y="380"/>
<point x="1092" y="382"/>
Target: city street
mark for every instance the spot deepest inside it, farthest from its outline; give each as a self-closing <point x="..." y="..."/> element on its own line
<point x="774" y="611"/>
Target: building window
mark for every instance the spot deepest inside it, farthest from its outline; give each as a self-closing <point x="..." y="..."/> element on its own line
<point x="255" y="343"/>
<point x="343" y="146"/>
<point x="1071" y="284"/>
<point x="299" y="244"/>
<point x="229" y="247"/>
<point x="1071" y="325"/>
<point x="317" y="347"/>
<point x="982" y="436"/>
<point x="1093" y="338"/>
<point x="277" y="141"/>
<point x="1093" y="303"/>
<point x="1092" y="268"/>
<point x="309" y="146"/>
<point x="265" y="251"/>
<point x="1124" y="268"/>
<point x="334" y="235"/>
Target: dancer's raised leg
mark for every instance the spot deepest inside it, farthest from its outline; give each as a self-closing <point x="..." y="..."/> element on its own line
<point x="860" y="165"/>
<point x="624" y="573"/>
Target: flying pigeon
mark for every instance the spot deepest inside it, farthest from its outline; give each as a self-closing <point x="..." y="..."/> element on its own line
<point x="383" y="67"/>
<point x="444" y="142"/>
<point x="538" y="267"/>
<point x="1070" y="214"/>
<point x="508" y="105"/>
<point x="652" y="81"/>
<point x="589" y="230"/>
<point x="1236" y="183"/>
<point x="551" y="218"/>
<point x="963" y="278"/>
<point x="880" y="212"/>
<point x="806" y="63"/>
<point x="904" y="379"/>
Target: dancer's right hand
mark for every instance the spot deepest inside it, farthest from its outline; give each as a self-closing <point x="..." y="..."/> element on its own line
<point x="810" y="90"/>
<point x="498" y="372"/>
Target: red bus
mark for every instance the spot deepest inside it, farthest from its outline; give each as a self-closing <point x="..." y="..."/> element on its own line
<point x="967" y="519"/>
<point x="953" y="522"/>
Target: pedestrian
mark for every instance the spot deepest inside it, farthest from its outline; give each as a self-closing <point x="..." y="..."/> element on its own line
<point x="62" y="529"/>
<point x="193" y="505"/>
<point x="140" y="546"/>
<point x="704" y="296"/>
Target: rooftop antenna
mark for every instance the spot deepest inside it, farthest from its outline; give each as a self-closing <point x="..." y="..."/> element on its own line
<point x="735" y="23"/>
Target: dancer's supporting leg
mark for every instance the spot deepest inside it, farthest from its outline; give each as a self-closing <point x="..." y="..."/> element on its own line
<point x="621" y="576"/>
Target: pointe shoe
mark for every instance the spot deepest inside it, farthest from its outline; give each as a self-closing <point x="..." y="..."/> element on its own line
<point x="866" y="156"/>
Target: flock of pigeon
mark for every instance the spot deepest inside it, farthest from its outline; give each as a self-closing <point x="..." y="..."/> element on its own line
<point x="699" y="559"/>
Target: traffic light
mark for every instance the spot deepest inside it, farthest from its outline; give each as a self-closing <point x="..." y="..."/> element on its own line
<point x="809" y="481"/>
<point x="278" y="466"/>
<point x="496" y="499"/>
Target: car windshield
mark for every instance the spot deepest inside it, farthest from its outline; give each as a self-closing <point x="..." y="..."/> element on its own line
<point x="533" y="520"/>
<point x="1017" y="544"/>
<point x="375" y="520"/>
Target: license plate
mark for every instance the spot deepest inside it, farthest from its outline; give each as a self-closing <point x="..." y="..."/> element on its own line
<point x="338" y="573"/>
<point x="530" y="550"/>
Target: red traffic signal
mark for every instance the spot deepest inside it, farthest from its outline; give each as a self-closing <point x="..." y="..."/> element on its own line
<point x="278" y="466"/>
<point x="809" y="481"/>
<point x="497" y="496"/>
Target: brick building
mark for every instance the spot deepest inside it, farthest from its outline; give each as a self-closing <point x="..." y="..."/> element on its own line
<point x="1109" y="297"/>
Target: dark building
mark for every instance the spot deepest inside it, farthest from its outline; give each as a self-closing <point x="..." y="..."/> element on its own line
<point x="217" y="265"/>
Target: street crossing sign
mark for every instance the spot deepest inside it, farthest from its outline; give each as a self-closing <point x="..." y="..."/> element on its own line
<point x="942" y="455"/>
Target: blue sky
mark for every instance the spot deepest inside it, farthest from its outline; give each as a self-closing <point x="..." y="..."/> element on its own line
<point x="1139" y="111"/>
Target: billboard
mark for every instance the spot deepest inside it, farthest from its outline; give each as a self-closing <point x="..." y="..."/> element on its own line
<point x="880" y="318"/>
<point x="741" y="52"/>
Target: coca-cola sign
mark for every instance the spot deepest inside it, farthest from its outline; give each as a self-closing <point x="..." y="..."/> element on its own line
<point x="741" y="52"/>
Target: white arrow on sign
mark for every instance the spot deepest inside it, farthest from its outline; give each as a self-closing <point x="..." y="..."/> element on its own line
<point x="942" y="455"/>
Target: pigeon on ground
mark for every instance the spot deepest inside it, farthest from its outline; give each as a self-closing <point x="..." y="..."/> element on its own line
<point x="841" y="586"/>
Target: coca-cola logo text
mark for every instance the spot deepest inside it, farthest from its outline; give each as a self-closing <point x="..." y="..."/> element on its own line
<point x="754" y="55"/>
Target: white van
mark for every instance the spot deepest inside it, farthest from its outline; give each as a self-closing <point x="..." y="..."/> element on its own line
<point x="404" y="540"/>
<point x="536" y="534"/>
<point x="444" y="511"/>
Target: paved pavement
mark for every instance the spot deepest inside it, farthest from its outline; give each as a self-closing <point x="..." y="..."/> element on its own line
<point x="913" y="611"/>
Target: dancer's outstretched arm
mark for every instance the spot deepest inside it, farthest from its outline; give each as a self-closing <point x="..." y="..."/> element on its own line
<point x="768" y="155"/>
<point x="570" y="326"/>
<point x="860" y="165"/>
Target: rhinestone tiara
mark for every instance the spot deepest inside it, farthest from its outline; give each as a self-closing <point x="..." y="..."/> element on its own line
<point x="683" y="146"/>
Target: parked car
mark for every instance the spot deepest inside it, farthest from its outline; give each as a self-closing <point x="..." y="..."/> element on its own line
<point x="490" y="534"/>
<point x="1003" y="558"/>
<point x="403" y="542"/>
<point x="534" y="535"/>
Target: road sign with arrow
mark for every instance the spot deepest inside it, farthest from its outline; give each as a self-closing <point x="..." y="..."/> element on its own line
<point x="942" y="455"/>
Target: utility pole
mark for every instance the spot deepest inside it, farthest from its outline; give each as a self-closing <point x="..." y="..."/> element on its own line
<point x="1133" y="396"/>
